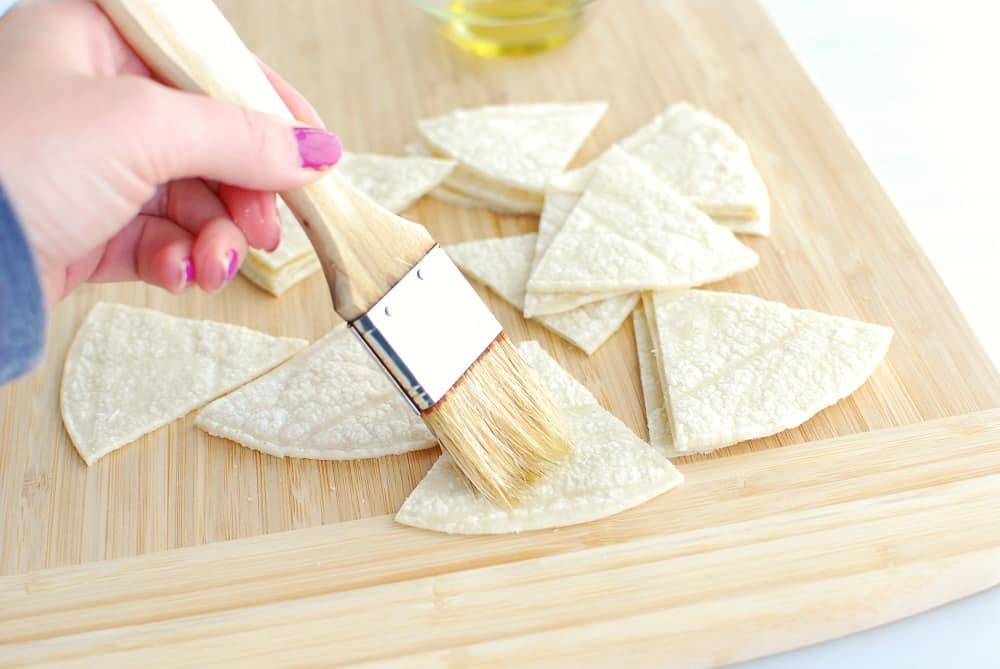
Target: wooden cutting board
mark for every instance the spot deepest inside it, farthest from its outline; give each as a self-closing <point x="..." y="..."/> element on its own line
<point x="880" y="506"/>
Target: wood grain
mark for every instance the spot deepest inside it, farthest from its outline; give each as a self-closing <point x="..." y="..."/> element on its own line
<point x="373" y="69"/>
<point x="756" y="553"/>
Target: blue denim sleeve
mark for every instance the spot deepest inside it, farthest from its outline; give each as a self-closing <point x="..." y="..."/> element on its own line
<point x="22" y="308"/>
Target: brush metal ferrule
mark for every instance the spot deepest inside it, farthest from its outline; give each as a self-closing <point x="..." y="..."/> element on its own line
<point x="428" y="329"/>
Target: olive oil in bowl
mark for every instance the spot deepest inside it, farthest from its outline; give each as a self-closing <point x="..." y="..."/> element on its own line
<point x="493" y="28"/>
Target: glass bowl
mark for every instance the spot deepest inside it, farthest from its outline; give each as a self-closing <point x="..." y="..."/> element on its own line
<point x="493" y="28"/>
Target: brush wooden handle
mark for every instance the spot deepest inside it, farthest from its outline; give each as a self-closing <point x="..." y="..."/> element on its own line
<point x="364" y="249"/>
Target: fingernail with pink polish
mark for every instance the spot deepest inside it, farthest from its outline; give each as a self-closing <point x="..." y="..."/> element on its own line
<point x="318" y="149"/>
<point x="232" y="264"/>
<point x="187" y="269"/>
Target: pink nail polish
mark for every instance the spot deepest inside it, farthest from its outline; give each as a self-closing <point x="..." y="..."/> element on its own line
<point x="232" y="264"/>
<point x="188" y="270"/>
<point x="318" y="149"/>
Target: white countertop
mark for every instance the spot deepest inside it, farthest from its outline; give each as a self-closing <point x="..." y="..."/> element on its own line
<point x="915" y="84"/>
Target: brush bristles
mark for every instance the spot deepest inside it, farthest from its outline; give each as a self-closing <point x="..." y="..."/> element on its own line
<point x="500" y="426"/>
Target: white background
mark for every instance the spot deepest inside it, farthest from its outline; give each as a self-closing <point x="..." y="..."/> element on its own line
<point x="916" y="83"/>
<point x="917" y="86"/>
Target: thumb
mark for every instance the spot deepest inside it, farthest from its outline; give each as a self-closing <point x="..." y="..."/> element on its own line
<point x="189" y="135"/>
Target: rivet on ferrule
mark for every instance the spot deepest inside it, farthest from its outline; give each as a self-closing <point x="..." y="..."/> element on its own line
<point x="428" y="329"/>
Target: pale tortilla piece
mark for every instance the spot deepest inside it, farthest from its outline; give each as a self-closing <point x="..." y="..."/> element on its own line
<point x="652" y="394"/>
<point x="654" y="335"/>
<point x="469" y="189"/>
<point x="703" y="159"/>
<point x="294" y="243"/>
<point x="736" y="367"/>
<point x="291" y="262"/>
<point x="653" y="380"/>
<point x="758" y="225"/>
<point x="394" y="182"/>
<point x="522" y="146"/>
<point x="630" y="231"/>
<point x="503" y="265"/>
<point x="560" y="199"/>
<point x="130" y="371"/>
<point x="657" y="419"/>
<point x="499" y="199"/>
<point x="611" y="470"/>
<point x="558" y="205"/>
<point x="446" y="194"/>
<point x="760" y="222"/>
<point x="278" y="282"/>
<point x="331" y="402"/>
<point x="486" y="196"/>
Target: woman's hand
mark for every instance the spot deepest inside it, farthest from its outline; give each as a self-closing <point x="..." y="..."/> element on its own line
<point x="116" y="177"/>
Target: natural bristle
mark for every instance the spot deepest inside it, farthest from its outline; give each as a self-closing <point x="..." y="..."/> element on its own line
<point x="500" y="426"/>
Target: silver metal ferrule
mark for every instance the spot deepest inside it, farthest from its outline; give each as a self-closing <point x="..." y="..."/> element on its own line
<point x="428" y="329"/>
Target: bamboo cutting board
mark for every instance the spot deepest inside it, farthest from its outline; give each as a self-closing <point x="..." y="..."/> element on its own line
<point x="880" y="506"/>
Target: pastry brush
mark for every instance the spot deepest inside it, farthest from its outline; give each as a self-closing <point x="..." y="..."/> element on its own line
<point x="389" y="280"/>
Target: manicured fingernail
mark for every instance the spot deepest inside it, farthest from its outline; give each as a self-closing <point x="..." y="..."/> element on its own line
<point x="277" y="217"/>
<point x="318" y="149"/>
<point x="232" y="264"/>
<point x="187" y="267"/>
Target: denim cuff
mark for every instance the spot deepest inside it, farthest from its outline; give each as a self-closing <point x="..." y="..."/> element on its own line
<point x="22" y="306"/>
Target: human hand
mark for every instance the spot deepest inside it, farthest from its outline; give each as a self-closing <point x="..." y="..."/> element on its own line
<point x="117" y="177"/>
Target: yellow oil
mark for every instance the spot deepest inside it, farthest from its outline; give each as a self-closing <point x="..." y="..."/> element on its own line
<point x="494" y="28"/>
